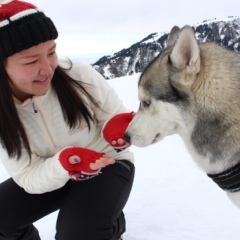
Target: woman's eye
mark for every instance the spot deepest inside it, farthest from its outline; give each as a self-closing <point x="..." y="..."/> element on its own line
<point x="32" y="62"/>
<point x="146" y="103"/>
<point x="52" y="53"/>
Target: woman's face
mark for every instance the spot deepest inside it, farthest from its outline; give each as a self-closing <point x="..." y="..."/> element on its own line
<point x="30" y="71"/>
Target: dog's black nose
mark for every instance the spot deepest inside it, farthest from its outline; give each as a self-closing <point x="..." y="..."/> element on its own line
<point x="127" y="137"/>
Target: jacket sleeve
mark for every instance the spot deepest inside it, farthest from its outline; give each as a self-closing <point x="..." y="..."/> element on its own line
<point x="110" y="105"/>
<point x="23" y="170"/>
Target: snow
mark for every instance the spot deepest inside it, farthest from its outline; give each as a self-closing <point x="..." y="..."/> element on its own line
<point x="172" y="199"/>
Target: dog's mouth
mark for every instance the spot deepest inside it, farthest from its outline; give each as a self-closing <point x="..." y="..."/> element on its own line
<point x="157" y="138"/>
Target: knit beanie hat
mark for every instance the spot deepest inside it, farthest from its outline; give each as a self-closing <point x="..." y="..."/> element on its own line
<point x="22" y="25"/>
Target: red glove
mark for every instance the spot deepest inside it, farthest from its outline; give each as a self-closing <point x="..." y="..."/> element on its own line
<point x="114" y="129"/>
<point x="81" y="170"/>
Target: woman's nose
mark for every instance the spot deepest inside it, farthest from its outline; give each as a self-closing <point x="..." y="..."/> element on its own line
<point x="45" y="67"/>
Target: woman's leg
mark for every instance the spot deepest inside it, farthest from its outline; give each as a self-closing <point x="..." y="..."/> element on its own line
<point x="19" y="209"/>
<point x="93" y="208"/>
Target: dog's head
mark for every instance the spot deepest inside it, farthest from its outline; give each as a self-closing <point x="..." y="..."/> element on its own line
<point x="165" y="90"/>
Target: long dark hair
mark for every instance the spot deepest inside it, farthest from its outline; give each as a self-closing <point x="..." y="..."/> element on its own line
<point x="12" y="133"/>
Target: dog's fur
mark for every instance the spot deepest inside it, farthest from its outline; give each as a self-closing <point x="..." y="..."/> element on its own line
<point x="193" y="90"/>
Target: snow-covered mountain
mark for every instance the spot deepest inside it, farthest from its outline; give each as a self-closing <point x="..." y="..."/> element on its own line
<point x="134" y="59"/>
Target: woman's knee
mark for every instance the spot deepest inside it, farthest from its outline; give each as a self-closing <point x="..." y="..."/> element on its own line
<point x="93" y="209"/>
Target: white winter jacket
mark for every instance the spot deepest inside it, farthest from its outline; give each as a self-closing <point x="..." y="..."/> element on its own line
<point x="48" y="133"/>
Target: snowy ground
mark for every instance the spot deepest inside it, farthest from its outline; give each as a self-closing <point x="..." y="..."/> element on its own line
<point x="171" y="198"/>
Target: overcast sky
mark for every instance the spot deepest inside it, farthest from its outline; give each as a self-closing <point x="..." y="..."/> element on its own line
<point x="104" y="26"/>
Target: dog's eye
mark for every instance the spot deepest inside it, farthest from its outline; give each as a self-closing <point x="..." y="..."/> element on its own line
<point x="146" y="103"/>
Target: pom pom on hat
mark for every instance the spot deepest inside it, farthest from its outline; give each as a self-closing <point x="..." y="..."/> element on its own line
<point x="22" y="25"/>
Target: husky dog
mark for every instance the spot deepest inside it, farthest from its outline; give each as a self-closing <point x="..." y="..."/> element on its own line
<point x="193" y="90"/>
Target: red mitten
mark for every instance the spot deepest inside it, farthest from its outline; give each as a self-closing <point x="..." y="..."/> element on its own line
<point x="114" y="129"/>
<point x="81" y="170"/>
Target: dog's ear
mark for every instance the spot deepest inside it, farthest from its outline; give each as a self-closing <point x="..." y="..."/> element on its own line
<point x="173" y="36"/>
<point x="186" y="53"/>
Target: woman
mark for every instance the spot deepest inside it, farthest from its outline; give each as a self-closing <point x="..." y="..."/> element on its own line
<point x="51" y="117"/>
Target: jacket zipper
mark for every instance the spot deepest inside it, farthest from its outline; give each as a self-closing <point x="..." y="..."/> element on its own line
<point x="34" y="107"/>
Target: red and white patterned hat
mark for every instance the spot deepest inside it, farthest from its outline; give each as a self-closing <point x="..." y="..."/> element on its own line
<point x="22" y="25"/>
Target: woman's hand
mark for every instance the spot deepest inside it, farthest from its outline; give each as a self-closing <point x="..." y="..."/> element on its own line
<point x="103" y="161"/>
<point x="114" y="129"/>
<point x="83" y="163"/>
